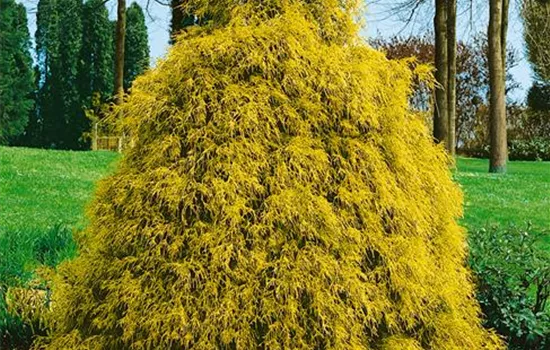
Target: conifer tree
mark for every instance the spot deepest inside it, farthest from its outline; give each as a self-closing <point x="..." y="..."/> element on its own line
<point x="97" y="54"/>
<point x="47" y="51"/>
<point x="70" y="43"/>
<point x="16" y="75"/>
<point x="96" y="66"/>
<point x="59" y="41"/>
<point x="279" y="195"/>
<point x="32" y="137"/>
<point x="136" y="51"/>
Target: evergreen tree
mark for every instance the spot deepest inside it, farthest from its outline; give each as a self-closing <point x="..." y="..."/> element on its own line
<point x="97" y="54"/>
<point x="136" y="51"/>
<point x="47" y="54"/>
<point x="16" y="74"/>
<point x="96" y="70"/>
<point x="279" y="194"/>
<point x="70" y="26"/>
<point x="59" y="41"/>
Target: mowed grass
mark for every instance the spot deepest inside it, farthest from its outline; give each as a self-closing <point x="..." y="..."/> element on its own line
<point x="520" y="196"/>
<point x="42" y="188"/>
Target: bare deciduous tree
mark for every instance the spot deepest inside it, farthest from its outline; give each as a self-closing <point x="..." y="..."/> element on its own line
<point x="444" y="120"/>
<point x="451" y="76"/>
<point x="120" y="38"/>
<point x="498" y="26"/>
<point x="441" y="116"/>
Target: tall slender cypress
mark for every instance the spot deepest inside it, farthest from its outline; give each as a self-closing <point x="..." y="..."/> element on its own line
<point x="70" y="35"/>
<point x="97" y="54"/>
<point x="96" y="67"/>
<point x="16" y="75"/>
<point x="58" y="45"/>
<point x="136" y="51"/>
<point x="47" y="53"/>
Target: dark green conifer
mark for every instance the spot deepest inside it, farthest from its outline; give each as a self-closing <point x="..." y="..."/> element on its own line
<point x="97" y="55"/>
<point x="59" y="42"/>
<point x="136" y="51"/>
<point x="96" y="67"/>
<point x="16" y="74"/>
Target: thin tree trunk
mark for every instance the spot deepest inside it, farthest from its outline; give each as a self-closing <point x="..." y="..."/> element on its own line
<point x="177" y="18"/>
<point x="498" y="19"/>
<point x="180" y="18"/>
<point x="451" y="86"/>
<point x="441" y="73"/>
<point x="119" y="59"/>
<point x="504" y="33"/>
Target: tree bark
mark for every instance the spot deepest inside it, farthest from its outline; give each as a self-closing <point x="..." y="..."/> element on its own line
<point x="504" y="33"/>
<point x="451" y="76"/>
<point x="177" y="18"/>
<point x="180" y="18"/>
<point x="119" y="55"/>
<point x="441" y="74"/>
<point x="498" y="23"/>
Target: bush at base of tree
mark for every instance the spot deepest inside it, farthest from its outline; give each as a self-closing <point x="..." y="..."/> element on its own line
<point x="532" y="150"/>
<point x="513" y="282"/>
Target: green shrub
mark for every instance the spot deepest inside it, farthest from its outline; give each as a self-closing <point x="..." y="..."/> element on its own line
<point x="513" y="284"/>
<point x="21" y="253"/>
<point x="532" y="149"/>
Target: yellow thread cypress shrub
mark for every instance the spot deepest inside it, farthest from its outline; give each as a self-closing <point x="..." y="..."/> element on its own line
<point x="279" y="195"/>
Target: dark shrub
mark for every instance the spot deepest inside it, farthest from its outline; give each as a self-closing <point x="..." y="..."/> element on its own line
<point x="513" y="284"/>
<point x="534" y="149"/>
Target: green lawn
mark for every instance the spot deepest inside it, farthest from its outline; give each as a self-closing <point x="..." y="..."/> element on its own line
<point x="42" y="197"/>
<point x="39" y="188"/>
<point x="520" y="196"/>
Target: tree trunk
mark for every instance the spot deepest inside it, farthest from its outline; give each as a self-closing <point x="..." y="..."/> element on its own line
<point x="180" y="18"/>
<point x="498" y="23"/>
<point x="441" y="73"/>
<point x="504" y="33"/>
<point x="177" y="18"/>
<point x="119" y="59"/>
<point x="451" y="86"/>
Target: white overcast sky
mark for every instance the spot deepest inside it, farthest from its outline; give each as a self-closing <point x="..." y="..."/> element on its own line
<point x="380" y="20"/>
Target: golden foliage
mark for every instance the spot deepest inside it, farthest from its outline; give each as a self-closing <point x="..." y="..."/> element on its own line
<point x="279" y="195"/>
<point x="28" y="303"/>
